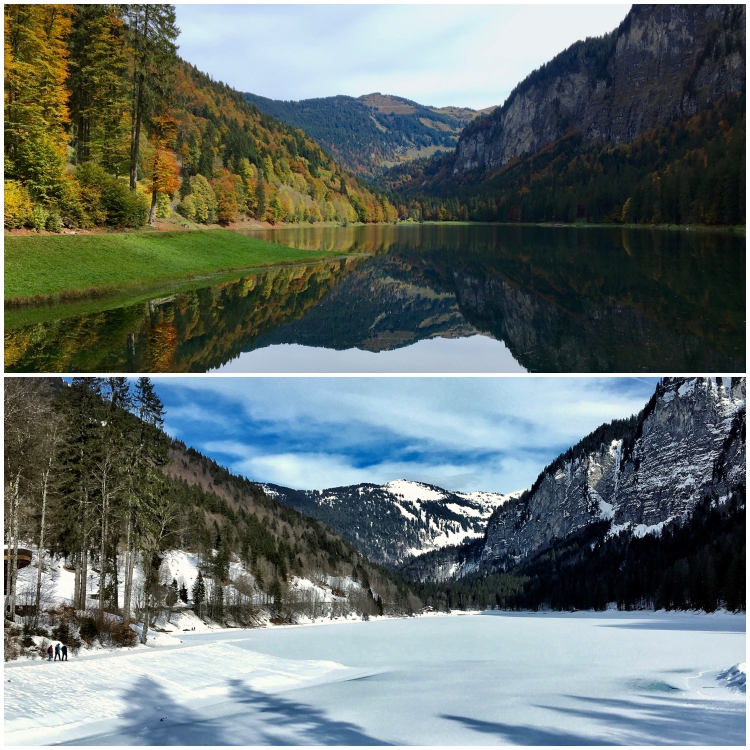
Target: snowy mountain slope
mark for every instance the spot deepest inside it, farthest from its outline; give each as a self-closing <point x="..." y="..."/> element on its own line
<point x="688" y="441"/>
<point x="398" y="520"/>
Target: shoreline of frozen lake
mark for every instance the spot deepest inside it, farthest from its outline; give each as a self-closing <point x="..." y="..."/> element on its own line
<point x="493" y="678"/>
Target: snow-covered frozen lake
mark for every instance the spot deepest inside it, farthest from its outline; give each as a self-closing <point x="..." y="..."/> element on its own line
<point x="480" y="679"/>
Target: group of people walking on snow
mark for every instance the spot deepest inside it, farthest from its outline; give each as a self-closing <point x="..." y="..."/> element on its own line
<point x="60" y="653"/>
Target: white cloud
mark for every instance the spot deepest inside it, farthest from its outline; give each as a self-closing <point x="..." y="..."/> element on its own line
<point x="466" y="55"/>
<point x="318" y="471"/>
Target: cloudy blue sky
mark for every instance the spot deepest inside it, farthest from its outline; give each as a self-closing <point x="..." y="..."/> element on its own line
<point x="436" y="54"/>
<point x="463" y="434"/>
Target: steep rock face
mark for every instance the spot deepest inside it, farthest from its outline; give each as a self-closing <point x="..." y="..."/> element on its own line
<point x="398" y="520"/>
<point x="689" y="441"/>
<point x="663" y="61"/>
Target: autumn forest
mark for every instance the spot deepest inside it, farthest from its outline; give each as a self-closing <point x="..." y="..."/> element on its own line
<point x="106" y="126"/>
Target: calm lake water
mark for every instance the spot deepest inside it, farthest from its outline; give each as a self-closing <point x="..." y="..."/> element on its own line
<point x="432" y="298"/>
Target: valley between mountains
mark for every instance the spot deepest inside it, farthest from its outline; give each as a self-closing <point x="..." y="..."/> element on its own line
<point x="628" y="480"/>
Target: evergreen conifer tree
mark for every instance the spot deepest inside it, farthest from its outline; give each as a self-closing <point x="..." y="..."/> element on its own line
<point x="199" y="593"/>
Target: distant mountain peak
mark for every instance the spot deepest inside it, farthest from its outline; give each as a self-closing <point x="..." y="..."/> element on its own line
<point x="398" y="520"/>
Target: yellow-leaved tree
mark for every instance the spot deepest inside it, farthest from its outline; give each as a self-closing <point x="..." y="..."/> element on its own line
<point x="36" y="98"/>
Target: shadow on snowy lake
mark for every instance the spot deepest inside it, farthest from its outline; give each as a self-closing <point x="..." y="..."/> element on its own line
<point x="662" y="721"/>
<point x="517" y="734"/>
<point x="699" y="623"/>
<point x="255" y="718"/>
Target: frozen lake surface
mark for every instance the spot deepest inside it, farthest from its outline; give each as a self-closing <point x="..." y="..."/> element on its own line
<point x="480" y="679"/>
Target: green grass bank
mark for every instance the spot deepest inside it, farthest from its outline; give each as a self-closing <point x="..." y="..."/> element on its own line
<point x="70" y="267"/>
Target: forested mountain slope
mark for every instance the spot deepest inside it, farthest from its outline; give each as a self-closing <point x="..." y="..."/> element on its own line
<point x="372" y="131"/>
<point x="643" y="125"/>
<point x="648" y="511"/>
<point x="93" y="480"/>
<point x="663" y="61"/>
<point x="633" y="477"/>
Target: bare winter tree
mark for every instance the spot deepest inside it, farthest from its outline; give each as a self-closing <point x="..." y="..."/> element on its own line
<point x="26" y="410"/>
<point x="157" y="526"/>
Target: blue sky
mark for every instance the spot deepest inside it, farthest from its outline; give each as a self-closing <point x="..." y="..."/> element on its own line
<point x="436" y="54"/>
<point x="463" y="434"/>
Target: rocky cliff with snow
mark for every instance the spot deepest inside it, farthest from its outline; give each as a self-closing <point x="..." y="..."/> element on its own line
<point x="662" y="62"/>
<point x="687" y="443"/>
<point x="398" y="520"/>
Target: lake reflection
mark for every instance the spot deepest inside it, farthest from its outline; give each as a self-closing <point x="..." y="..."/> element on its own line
<point x="484" y="297"/>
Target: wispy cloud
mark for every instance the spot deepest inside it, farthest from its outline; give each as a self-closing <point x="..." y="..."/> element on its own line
<point x="466" y="433"/>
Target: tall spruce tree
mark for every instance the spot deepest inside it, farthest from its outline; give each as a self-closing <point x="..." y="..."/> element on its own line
<point x="151" y="32"/>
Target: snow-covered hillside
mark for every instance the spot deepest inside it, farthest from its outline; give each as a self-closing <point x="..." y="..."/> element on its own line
<point x="399" y="520"/>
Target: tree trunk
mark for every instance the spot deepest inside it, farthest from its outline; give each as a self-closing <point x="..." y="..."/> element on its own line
<point x="84" y="578"/>
<point x="45" y="482"/>
<point x="13" y="572"/>
<point x="152" y="211"/>
<point x="115" y="586"/>
<point x="102" y="555"/>
<point x="138" y="81"/>
<point x="146" y="611"/>
<point x="77" y="583"/>
<point x="136" y="136"/>
<point x="128" y="574"/>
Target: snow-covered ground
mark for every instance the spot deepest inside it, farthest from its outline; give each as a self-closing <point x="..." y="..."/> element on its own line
<point x="491" y="678"/>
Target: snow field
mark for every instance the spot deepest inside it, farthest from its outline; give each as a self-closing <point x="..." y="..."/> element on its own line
<point x="56" y="701"/>
<point x="490" y="678"/>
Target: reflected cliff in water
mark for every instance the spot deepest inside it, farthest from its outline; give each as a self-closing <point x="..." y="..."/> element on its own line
<point x="561" y="300"/>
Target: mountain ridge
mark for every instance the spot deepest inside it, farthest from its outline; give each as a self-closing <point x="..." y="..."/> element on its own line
<point x="372" y="131"/>
<point x="662" y="61"/>
<point x="631" y="477"/>
<point x="400" y="519"/>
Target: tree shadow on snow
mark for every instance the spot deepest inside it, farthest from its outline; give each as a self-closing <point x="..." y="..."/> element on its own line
<point x="245" y="717"/>
<point x="518" y="734"/>
<point x="697" y="624"/>
<point x="667" y="720"/>
<point x="154" y="718"/>
<point x="288" y="722"/>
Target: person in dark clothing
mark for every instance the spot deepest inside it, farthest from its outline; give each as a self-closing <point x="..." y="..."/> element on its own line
<point x="64" y="653"/>
<point x="57" y="652"/>
<point x="49" y="652"/>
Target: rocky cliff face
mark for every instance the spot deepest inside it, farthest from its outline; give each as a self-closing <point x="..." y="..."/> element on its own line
<point x="663" y="61"/>
<point x="687" y="443"/>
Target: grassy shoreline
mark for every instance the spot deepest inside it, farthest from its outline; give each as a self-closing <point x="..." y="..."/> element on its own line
<point x="64" y="268"/>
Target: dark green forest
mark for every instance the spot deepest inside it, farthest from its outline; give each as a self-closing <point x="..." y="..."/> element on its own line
<point x="92" y="479"/>
<point x="360" y="136"/>
<point x="699" y="564"/>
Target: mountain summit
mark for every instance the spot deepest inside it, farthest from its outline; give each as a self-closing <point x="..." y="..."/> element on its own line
<point x="373" y="131"/>
<point x="393" y="522"/>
